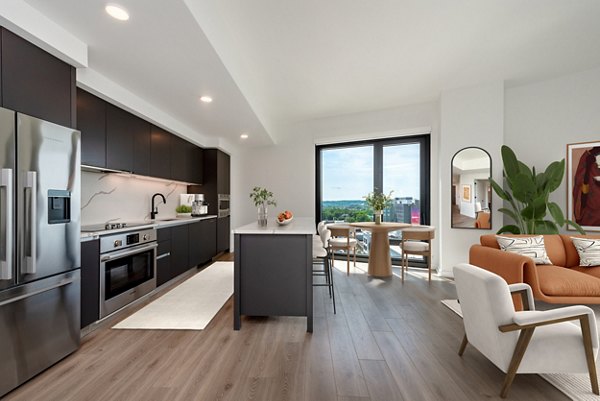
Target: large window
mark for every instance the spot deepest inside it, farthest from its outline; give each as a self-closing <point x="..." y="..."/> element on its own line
<point x="347" y="172"/>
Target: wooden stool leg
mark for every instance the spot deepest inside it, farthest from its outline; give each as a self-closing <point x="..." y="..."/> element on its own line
<point x="348" y="259"/>
<point x="354" y="251"/>
<point x="429" y="265"/>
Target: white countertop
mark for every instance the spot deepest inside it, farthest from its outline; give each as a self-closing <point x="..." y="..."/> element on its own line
<point x="157" y="224"/>
<point x="300" y="225"/>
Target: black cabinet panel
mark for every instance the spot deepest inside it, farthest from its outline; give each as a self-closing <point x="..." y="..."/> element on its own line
<point x="90" y="282"/>
<point x="160" y="153"/>
<point x="91" y="121"/>
<point x="180" y="249"/>
<point x="223" y="173"/>
<point x="179" y="159"/>
<point x="195" y="163"/>
<point x="141" y="145"/>
<point x="163" y="263"/>
<point x="35" y="82"/>
<point x="208" y="239"/>
<point x="163" y="234"/>
<point x="119" y="139"/>
<point x="223" y="229"/>
<point x="196" y="244"/>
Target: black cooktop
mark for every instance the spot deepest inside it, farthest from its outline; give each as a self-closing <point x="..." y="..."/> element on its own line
<point x="109" y="226"/>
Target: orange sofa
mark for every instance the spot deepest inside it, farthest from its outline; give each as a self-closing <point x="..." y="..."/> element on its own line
<point x="563" y="282"/>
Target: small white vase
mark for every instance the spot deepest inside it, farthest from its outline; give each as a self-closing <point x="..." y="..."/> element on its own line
<point x="378" y="216"/>
<point x="262" y="215"/>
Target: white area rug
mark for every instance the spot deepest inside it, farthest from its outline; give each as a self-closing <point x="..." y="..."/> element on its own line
<point x="575" y="386"/>
<point x="189" y="306"/>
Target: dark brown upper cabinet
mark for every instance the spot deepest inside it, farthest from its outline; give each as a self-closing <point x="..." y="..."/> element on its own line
<point x="127" y="141"/>
<point x="223" y="173"/>
<point x="91" y="121"/>
<point x="195" y="163"/>
<point x="160" y="153"/>
<point x="35" y="82"/>
<point x="179" y="166"/>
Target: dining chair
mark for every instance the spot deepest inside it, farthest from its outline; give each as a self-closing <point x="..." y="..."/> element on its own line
<point x="417" y="241"/>
<point x="528" y="341"/>
<point x="321" y="256"/>
<point x="342" y="238"/>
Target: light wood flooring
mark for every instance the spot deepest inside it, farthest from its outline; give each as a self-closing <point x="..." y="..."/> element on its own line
<point x="388" y="341"/>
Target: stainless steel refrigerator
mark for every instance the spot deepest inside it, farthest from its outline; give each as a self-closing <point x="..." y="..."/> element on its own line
<point x="39" y="246"/>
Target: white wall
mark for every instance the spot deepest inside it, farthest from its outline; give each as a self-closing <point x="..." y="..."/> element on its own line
<point x="542" y="118"/>
<point x="288" y="168"/>
<point x="469" y="117"/>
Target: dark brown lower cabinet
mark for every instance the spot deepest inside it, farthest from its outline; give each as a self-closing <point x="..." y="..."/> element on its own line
<point x="180" y="249"/>
<point x="223" y="229"/>
<point x="163" y="262"/>
<point x="90" y="282"/>
<point x="203" y="241"/>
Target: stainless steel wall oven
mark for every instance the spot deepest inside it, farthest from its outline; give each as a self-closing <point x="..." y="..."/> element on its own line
<point x="127" y="268"/>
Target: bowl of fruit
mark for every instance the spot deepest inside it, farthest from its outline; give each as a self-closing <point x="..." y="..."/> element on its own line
<point x="284" y="218"/>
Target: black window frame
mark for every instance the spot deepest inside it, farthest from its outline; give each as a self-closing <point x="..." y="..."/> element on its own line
<point x="424" y="141"/>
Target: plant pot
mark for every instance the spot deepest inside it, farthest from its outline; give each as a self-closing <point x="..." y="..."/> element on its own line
<point x="262" y="215"/>
<point x="378" y="216"/>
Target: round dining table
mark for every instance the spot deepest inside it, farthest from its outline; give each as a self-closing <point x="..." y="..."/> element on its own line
<point x="380" y="260"/>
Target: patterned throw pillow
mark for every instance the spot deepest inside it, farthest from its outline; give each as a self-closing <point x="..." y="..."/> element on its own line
<point x="588" y="250"/>
<point x="532" y="247"/>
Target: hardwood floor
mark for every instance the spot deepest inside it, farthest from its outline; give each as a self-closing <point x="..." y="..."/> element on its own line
<point x="387" y="342"/>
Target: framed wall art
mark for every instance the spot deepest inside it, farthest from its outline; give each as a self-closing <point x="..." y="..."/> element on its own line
<point x="466" y="193"/>
<point x="583" y="184"/>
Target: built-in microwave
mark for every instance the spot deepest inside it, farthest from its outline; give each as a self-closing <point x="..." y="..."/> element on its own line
<point x="223" y="205"/>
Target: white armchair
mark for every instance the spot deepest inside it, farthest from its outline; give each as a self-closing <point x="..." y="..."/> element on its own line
<point x="526" y="341"/>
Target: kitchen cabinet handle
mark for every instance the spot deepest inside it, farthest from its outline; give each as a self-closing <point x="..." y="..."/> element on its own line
<point x="131" y="251"/>
<point x="6" y="265"/>
<point x="164" y="255"/>
<point x="31" y="260"/>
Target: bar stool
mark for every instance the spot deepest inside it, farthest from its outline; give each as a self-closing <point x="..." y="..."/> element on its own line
<point x="417" y="241"/>
<point x="321" y="256"/>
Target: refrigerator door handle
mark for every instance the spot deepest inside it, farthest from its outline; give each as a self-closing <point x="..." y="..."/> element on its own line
<point x="36" y="292"/>
<point x="31" y="260"/>
<point x="6" y="181"/>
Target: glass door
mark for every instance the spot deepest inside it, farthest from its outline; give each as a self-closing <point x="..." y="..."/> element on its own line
<point x="402" y="175"/>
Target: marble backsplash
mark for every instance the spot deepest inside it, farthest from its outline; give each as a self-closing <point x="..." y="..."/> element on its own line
<point x="125" y="198"/>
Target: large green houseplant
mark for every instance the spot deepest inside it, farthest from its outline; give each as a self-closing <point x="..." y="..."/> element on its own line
<point x="527" y="193"/>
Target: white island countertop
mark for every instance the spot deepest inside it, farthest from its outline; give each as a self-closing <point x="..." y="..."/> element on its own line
<point x="299" y="225"/>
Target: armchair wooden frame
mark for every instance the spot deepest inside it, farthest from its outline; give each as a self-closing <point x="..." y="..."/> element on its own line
<point x="527" y="331"/>
<point x="423" y="234"/>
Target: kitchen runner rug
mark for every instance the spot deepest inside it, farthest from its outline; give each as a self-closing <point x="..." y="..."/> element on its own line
<point x="575" y="386"/>
<point x="189" y="306"/>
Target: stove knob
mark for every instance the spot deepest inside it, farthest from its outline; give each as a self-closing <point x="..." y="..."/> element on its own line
<point x="145" y="237"/>
<point x="118" y="243"/>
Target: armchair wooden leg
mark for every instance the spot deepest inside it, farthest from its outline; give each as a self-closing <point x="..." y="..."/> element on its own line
<point x="348" y="259"/>
<point x="463" y="345"/>
<point x="589" y="353"/>
<point x="520" y="349"/>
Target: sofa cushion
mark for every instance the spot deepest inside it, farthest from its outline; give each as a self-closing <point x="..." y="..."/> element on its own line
<point x="593" y="271"/>
<point x="588" y="250"/>
<point x="532" y="247"/>
<point x="572" y="257"/>
<point x="554" y="246"/>
<point x="559" y="281"/>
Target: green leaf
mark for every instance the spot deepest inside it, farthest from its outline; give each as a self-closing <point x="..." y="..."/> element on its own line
<point x="523" y="168"/>
<point x="511" y="164"/>
<point x="545" y="227"/>
<point x="575" y="226"/>
<point x="555" y="173"/>
<point x="498" y="189"/>
<point x="556" y="213"/>
<point x="509" y="229"/>
<point x="510" y="213"/>
<point x="524" y="188"/>
<point x="540" y="182"/>
<point x="535" y="210"/>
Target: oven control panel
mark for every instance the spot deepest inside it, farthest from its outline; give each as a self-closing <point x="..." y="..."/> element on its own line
<point x="125" y="240"/>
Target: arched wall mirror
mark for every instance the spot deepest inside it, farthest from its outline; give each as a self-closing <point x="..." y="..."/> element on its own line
<point x="471" y="189"/>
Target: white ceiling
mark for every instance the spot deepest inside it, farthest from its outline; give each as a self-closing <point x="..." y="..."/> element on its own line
<point x="300" y="60"/>
<point x="161" y="55"/>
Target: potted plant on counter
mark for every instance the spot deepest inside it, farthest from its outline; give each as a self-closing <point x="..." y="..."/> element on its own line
<point x="262" y="198"/>
<point x="378" y="201"/>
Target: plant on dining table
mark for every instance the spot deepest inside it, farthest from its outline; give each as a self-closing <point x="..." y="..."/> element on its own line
<point x="378" y="201"/>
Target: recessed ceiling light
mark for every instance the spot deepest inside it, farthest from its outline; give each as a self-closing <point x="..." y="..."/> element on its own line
<point x="206" y="99"/>
<point x="244" y="136"/>
<point x="117" y="12"/>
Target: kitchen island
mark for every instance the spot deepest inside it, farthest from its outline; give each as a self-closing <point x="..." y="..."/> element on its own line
<point x="273" y="270"/>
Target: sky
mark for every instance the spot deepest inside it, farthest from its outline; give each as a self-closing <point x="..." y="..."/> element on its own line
<point x="347" y="173"/>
